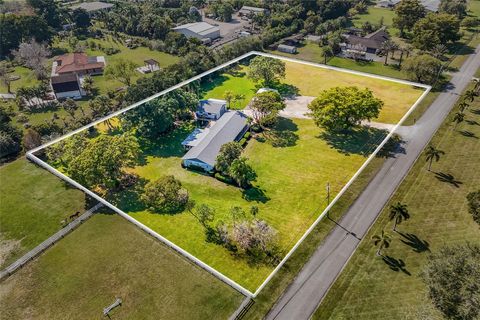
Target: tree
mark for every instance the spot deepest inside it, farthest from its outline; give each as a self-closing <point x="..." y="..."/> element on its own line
<point x="33" y="55"/>
<point x="265" y="107"/>
<point x="439" y="51"/>
<point x="431" y="154"/>
<point x="48" y="10"/>
<point x="398" y="213"/>
<point x="470" y="22"/>
<point x="327" y="52"/>
<point x="342" y="108"/>
<point x="121" y="70"/>
<point x="463" y="105"/>
<point x="88" y="85"/>
<point x="408" y="12"/>
<point x="256" y="238"/>
<point x="381" y="241"/>
<point x="423" y="68"/>
<point x="242" y="173"/>
<point x="165" y="195"/>
<point x="81" y="18"/>
<point x="452" y="276"/>
<point x="228" y="153"/>
<point x="10" y="135"/>
<point x="101" y="161"/>
<point x="228" y="96"/>
<point x="470" y="95"/>
<point x="455" y="7"/>
<point x="70" y="106"/>
<point x="436" y="29"/>
<point x="387" y="47"/>
<point x="204" y="214"/>
<point x="458" y="118"/>
<point x="473" y="199"/>
<point x="5" y="75"/>
<point x="31" y="139"/>
<point x="266" y="69"/>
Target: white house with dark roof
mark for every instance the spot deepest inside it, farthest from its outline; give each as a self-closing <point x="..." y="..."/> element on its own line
<point x="205" y="144"/>
<point x="200" y="30"/>
<point x="211" y="109"/>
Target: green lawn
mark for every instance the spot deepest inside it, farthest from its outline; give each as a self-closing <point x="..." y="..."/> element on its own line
<point x="105" y="258"/>
<point x="32" y="204"/>
<point x="374" y="16"/>
<point x="368" y="288"/>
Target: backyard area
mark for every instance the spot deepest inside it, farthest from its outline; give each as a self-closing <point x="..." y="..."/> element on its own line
<point x="293" y="164"/>
<point x="106" y="258"/>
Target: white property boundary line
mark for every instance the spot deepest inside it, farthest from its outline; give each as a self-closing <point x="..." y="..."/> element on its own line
<point x="30" y="155"/>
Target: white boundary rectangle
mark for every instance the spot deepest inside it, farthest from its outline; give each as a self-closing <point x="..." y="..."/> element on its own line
<point x="30" y="155"/>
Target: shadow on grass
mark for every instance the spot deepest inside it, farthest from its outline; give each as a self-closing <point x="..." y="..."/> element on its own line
<point x="396" y="264"/>
<point x="362" y="141"/>
<point x="283" y="135"/>
<point x="468" y="134"/>
<point x="285" y="89"/>
<point x="472" y="122"/>
<point x="475" y="111"/>
<point x="128" y="200"/>
<point x="255" y="194"/>
<point x="448" y="178"/>
<point x="417" y="244"/>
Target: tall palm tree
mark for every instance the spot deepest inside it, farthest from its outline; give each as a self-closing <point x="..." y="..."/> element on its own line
<point x="381" y="241"/>
<point x="327" y="52"/>
<point x="463" y="106"/>
<point x="470" y="95"/>
<point x="433" y="154"/>
<point x="387" y="47"/>
<point x="458" y="118"/>
<point x="228" y="96"/>
<point x="398" y="213"/>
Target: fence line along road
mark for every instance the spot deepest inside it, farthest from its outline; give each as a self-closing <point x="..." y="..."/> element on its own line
<point x="32" y="254"/>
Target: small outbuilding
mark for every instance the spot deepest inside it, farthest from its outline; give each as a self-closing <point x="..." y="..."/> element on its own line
<point x="286" y="48"/>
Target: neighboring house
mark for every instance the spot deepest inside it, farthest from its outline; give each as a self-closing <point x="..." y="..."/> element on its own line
<point x="430" y="5"/>
<point x="68" y="71"/>
<point x="286" y="48"/>
<point x="205" y="145"/>
<point x="67" y="86"/>
<point x="211" y="109"/>
<point x="78" y="63"/>
<point x="371" y="43"/>
<point x="247" y="11"/>
<point x="93" y="7"/>
<point x="200" y="30"/>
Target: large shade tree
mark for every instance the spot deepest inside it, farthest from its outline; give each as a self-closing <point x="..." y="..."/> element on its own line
<point x="436" y="29"/>
<point x="266" y="70"/>
<point x="265" y="107"/>
<point x="342" y="108"/>
<point x="165" y="195"/>
<point x="423" y="68"/>
<point x="228" y="153"/>
<point x="407" y="13"/>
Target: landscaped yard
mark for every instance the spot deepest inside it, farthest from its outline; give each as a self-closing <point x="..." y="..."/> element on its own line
<point x="368" y="288"/>
<point x="33" y="203"/>
<point x="106" y="258"/>
<point x="293" y="165"/>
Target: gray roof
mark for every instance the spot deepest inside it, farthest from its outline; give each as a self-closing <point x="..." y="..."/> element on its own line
<point x="226" y="129"/>
<point x="213" y="106"/>
<point x="253" y="9"/>
<point x="92" y="6"/>
<point x="201" y="28"/>
<point x="430" y="5"/>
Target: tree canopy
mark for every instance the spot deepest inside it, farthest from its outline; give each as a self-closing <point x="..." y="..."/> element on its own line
<point x="121" y="70"/>
<point x="266" y="69"/>
<point x="265" y="107"/>
<point x="342" y="108"/>
<point x="228" y="153"/>
<point x="473" y="199"/>
<point x="242" y="173"/>
<point x="407" y="13"/>
<point x="423" y="68"/>
<point x="435" y="29"/>
<point x="452" y="276"/>
<point x="165" y="195"/>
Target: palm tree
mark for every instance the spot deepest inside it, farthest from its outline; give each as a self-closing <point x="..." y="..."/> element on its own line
<point x="381" y="241"/>
<point x="470" y="95"/>
<point x="433" y="153"/>
<point x="458" y="118"/>
<point x="386" y="47"/>
<point x="228" y="96"/>
<point x="398" y="213"/>
<point x="87" y="84"/>
<point x="327" y="52"/>
<point x="463" y="106"/>
<point x="239" y="98"/>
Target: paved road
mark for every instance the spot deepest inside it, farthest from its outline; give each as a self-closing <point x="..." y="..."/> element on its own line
<point x="302" y="297"/>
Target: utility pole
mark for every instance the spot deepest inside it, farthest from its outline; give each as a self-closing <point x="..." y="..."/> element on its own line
<point x="328" y="197"/>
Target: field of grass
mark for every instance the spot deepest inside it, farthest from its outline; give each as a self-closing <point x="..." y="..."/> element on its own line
<point x="368" y="288"/>
<point x="105" y="258"/>
<point x="374" y="16"/>
<point x="32" y="204"/>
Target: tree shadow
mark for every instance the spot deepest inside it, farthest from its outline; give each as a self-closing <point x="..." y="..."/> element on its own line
<point x="417" y="244"/>
<point x="475" y="111"/>
<point x="448" y="178"/>
<point x="282" y="135"/>
<point x="362" y="140"/>
<point x="396" y="264"/>
<point x="472" y="122"/>
<point x="129" y="199"/>
<point x="468" y="134"/>
<point x="393" y="147"/>
<point x="285" y="89"/>
<point x="256" y="194"/>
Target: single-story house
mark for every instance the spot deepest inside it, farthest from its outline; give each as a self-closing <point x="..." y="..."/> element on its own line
<point x="247" y="10"/>
<point x="286" y="48"/>
<point x="78" y="63"/>
<point x="93" y="7"/>
<point x="211" y="109"/>
<point x="430" y="5"/>
<point x="66" y="86"/>
<point x="200" y="30"/>
<point x="371" y="43"/>
<point x="203" y="153"/>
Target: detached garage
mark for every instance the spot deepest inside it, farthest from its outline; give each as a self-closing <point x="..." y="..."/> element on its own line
<point x="199" y="30"/>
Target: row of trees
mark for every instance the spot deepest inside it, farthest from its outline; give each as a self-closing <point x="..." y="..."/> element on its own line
<point x="231" y="164"/>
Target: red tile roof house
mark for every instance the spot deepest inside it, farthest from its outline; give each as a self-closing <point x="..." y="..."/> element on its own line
<point x="68" y="71"/>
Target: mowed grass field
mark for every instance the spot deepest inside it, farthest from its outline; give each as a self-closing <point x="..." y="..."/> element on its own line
<point x="33" y="202"/>
<point x="368" y="288"/>
<point x="105" y="258"/>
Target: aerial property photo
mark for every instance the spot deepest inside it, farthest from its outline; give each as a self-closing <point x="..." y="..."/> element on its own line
<point x="233" y="168"/>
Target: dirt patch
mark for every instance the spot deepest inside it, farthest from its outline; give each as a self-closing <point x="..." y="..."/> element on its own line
<point x="7" y="249"/>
